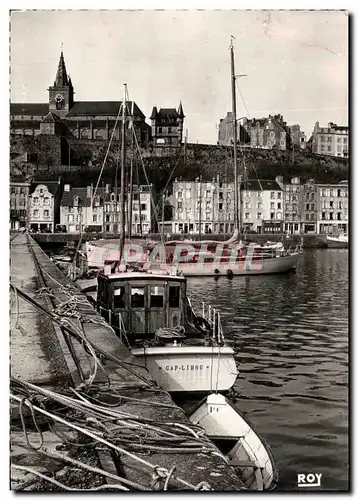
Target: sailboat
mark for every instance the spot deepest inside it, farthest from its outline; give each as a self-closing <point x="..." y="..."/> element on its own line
<point x="149" y="309"/>
<point x="212" y="258"/>
<point x="232" y="257"/>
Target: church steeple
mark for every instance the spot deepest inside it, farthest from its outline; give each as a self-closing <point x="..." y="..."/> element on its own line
<point x="61" y="93"/>
<point x="180" y="111"/>
<point x="61" y="75"/>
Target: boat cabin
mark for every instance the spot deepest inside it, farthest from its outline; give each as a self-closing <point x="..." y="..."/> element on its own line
<point x="142" y="302"/>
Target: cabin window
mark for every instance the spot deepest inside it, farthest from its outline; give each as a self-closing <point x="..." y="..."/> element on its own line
<point x="156" y="296"/>
<point x="174" y="295"/>
<point x="118" y="298"/>
<point x="137" y="297"/>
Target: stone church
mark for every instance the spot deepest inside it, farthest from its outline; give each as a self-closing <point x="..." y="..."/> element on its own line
<point x="64" y="119"/>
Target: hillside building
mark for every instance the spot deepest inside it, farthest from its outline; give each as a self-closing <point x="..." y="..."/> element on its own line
<point x="167" y="126"/>
<point x="298" y="137"/>
<point x="268" y="133"/>
<point x="331" y="140"/>
<point x="226" y="132"/>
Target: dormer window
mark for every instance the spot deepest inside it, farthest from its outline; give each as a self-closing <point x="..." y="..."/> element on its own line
<point x="96" y="201"/>
<point x="75" y="201"/>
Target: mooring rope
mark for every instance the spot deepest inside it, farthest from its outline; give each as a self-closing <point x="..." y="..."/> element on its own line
<point x="72" y="330"/>
<point x="155" y="468"/>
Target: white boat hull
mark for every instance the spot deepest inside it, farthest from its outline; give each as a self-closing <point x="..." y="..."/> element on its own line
<point x="337" y="241"/>
<point x="249" y="454"/>
<point x="190" y="368"/>
<point x="100" y="251"/>
<point x="97" y="255"/>
<point x="264" y="266"/>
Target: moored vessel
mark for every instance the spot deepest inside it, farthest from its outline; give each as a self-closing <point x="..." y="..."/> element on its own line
<point x="337" y="241"/>
<point x="150" y="311"/>
<point x="236" y="438"/>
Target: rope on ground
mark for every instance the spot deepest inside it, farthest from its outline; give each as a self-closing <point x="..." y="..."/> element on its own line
<point x="44" y="290"/>
<point x="98" y="438"/>
<point x="133" y="400"/>
<point x="100" y="412"/>
<point x="168" y="478"/>
<point x="29" y="404"/>
<point x="71" y="329"/>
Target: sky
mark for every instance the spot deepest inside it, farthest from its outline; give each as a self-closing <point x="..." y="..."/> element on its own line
<point x="295" y="62"/>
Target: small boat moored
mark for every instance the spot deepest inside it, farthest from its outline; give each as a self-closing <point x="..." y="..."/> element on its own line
<point x="233" y="434"/>
<point x="150" y="310"/>
<point x="338" y="241"/>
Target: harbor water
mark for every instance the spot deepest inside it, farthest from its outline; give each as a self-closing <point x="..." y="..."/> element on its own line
<point x="291" y="337"/>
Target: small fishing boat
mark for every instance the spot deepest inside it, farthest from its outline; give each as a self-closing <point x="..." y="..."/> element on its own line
<point x="235" y="437"/>
<point x="150" y="311"/>
<point x="147" y="306"/>
<point x="339" y="241"/>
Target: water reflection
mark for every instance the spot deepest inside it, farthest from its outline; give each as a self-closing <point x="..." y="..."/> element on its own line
<point x="291" y="336"/>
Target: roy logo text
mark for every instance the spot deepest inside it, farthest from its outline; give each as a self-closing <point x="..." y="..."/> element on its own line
<point x="309" y="480"/>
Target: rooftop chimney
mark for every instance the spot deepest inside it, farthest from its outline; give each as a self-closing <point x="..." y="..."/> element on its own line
<point x="67" y="188"/>
<point x="89" y="191"/>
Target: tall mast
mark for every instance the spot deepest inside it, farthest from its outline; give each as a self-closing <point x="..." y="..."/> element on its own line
<point x="130" y="203"/>
<point x="200" y="198"/>
<point x="123" y="161"/>
<point x="236" y="186"/>
<point x="163" y="206"/>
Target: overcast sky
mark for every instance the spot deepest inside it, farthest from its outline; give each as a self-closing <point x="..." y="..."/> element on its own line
<point x="296" y="62"/>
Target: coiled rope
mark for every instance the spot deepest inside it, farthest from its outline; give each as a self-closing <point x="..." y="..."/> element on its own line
<point x="98" y="438"/>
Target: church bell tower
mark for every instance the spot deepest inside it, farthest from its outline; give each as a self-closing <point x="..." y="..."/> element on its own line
<point x="61" y="92"/>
